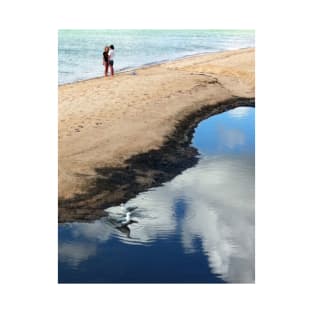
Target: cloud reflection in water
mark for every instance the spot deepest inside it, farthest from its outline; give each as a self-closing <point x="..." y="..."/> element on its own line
<point x="74" y="253"/>
<point x="240" y="112"/>
<point x="218" y="211"/>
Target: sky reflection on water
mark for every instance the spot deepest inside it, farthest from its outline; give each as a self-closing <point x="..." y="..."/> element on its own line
<point x="199" y="227"/>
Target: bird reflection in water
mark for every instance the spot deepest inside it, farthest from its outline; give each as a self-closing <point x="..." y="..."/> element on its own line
<point x="122" y="219"/>
<point x="125" y="229"/>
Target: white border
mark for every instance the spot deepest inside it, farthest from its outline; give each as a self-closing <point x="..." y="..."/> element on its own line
<point x="29" y="155"/>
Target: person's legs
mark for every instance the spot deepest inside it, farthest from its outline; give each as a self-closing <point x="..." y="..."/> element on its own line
<point x="111" y="68"/>
<point x="106" y="66"/>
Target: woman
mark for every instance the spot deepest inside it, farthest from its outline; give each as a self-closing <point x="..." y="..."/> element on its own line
<point x="106" y="60"/>
<point x="111" y="59"/>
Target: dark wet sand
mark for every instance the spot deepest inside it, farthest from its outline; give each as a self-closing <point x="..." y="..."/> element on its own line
<point x="119" y="136"/>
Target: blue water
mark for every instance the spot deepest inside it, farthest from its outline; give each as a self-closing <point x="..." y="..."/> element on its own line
<point x="196" y="228"/>
<point x="80" y="51"/>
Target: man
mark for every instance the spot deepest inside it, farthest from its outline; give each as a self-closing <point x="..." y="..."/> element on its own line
<point x="111" y="59"/>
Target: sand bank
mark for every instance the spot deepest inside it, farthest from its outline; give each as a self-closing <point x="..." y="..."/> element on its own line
<point x="103" y="122"/>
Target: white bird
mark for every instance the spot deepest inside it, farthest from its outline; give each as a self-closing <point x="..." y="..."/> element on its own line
<point x="121" y="219"/>
<point x="127" y="219"/>
<point x="120" y="216"/>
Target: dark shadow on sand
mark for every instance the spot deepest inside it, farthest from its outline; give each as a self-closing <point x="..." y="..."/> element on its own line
<point x="114" y="185"/>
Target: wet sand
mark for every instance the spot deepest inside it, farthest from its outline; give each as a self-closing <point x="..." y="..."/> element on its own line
<point x="105" y="122"/>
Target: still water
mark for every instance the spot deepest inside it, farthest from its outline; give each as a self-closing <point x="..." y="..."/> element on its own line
<point x="196" y="228"/>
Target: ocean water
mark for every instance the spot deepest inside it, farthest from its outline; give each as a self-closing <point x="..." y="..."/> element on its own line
<point x="80" y="51"/>
<point x="196" y="228"/>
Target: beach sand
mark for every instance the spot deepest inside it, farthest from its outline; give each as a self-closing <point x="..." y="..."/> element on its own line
<point x="104" y="121"/>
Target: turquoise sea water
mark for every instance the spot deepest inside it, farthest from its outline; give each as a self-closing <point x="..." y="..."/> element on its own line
<point x="80" y="51"/>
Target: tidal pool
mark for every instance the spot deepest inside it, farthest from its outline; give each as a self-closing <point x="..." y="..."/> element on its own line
<point x="196" y="228"/>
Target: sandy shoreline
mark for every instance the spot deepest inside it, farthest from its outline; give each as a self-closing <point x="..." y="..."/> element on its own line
<point x="129" y="70"/>
<point x="105" y="121"/>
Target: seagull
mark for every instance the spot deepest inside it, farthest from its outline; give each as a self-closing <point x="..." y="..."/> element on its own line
<point x="120" y="217"/>
<point x="123" y="227"/>
<point x="127" y="219"/>
<point x="123" y="218"/>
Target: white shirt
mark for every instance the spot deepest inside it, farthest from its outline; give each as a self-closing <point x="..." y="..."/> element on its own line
<point x="111" y="54"/>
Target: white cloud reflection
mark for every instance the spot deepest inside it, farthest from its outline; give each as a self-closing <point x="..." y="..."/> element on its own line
<point x="219" y="197"/>
<point x="239" y="112"/>
<point x="74" y="253"/>
<point x="231" y="138"/>
<point x="221" y="212"/>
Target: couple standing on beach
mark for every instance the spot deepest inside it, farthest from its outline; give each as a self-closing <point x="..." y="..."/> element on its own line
<point x="108" y="59"/>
